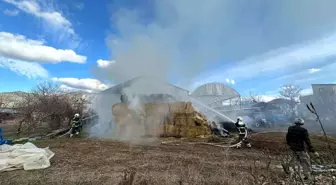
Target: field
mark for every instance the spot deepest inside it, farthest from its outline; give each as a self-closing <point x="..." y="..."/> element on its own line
<point x="92" y="161"/>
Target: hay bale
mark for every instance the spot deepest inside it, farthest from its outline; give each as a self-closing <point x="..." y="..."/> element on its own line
<point x="177" y="119"/>
<point x="120" y="109"/>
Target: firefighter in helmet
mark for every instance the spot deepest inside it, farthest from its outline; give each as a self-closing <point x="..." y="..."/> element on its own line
<point x="75" y="125"/>
<point x="242" y="132"/>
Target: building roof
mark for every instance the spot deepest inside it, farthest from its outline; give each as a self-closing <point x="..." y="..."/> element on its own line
<point x="215" y="89"/>
<point x="214" y="92"/>
<point x="117" y="89"/>
<point x="265" y="105"/>
<point x="280" y="101"/>
<point x="324" y="84"/>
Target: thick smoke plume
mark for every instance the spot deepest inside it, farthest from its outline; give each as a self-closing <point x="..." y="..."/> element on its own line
<point x="176" y="40"/>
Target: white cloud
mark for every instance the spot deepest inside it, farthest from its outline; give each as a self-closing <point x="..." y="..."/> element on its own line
<point x="308" y="91"/>
<point x="79" y="6"/>
<point x="288" y="87"/>
<point x="54" y="19"/>
<point x="29" y="69"/>
<point x="11" y="12"/>
<point x="71" y="89"/>
<point x="313" y="70"/>
<point x="283" y="59"/>
<point x="83" y="84"/>
<point x="105" y="63"/>
<point x="266" y="98"/>
<point x="67" y="88"/>
<point x="304" y="77"/>
<point x="19" y="47"/>
<point x="230" y="81"/>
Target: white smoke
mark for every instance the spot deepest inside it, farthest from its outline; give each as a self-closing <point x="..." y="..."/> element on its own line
<point x="176" y="40"/>
<point x="179" y="39"/>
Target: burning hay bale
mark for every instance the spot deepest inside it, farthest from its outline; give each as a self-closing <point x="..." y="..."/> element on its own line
<point x="177" y="119"/>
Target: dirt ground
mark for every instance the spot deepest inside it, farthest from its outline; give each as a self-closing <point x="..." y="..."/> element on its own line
<point x="9" y="129"/>
<point x="83" y="161"/>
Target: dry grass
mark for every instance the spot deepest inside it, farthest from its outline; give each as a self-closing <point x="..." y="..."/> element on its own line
<point x="10" y="129"/>
<point x="90" y="161"/>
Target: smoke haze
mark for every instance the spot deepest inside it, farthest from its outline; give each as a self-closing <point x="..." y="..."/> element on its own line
<point x="176" y="40"/>
<point x="173" y="39"/>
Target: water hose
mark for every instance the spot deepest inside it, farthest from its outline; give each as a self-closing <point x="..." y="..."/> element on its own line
<point x="212" y="144"/>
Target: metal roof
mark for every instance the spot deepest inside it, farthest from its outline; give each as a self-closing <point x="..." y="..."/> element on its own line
<point x="280" y="101"/>
<point x="215" y="89"/>
<point x="211" y="93"/>
<point x="117" y="89"/>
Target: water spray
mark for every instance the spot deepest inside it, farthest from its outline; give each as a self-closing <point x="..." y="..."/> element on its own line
<point x="209" y="108"/>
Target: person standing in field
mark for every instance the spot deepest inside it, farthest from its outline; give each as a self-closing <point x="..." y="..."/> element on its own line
<point x="296" y="137"/>
<point x="242" y="132"/>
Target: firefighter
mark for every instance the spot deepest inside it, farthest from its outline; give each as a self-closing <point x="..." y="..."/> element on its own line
<point x="242" y="132"/>
<point x="295" y="138"/>
<point x="75" y="125"/>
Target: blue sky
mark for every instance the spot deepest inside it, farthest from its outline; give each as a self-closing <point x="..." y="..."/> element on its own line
<point x="256" y="46"/>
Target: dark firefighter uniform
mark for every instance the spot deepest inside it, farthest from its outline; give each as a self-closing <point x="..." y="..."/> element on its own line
<point x="296" y="138"/>
<point x="75" y="125"/>
<point x="242" y="132"/>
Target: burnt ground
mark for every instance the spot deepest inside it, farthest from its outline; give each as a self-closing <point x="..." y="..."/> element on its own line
<point x="91" y="161"/>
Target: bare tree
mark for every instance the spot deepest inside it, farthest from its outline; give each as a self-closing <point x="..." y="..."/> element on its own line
<point x="48" y="103"/>
<point x="255" y="98"/>
<point x="291" y="93"/>
<point x="252" y="98"/>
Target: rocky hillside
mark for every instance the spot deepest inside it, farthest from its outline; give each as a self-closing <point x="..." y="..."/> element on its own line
<point x="10" y="99"/>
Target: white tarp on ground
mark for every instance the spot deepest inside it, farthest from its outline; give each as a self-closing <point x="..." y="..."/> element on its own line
<point x="24" y="156"/>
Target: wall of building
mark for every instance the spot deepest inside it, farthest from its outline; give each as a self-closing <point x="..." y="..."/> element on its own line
<point x="325" y="99"/>
<point x="302" y="107"/>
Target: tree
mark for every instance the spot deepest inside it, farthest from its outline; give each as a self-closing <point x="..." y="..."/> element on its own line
<point x="48" y="103"/>
<point x="252" y="98"/>
<point x="255" y="98"/>
<point x="291" y="93"/>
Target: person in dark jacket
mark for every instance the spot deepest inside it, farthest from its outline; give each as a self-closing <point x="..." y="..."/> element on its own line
<point x="75" y="125"/>
<point x="296" y="138"/>
<point x="242" y="132"/>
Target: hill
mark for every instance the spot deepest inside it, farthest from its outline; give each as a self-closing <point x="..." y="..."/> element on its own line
<point x="10" y="99"/>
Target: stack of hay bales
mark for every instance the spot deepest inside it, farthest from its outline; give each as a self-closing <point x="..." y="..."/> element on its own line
<point x="177" y="119"/>
<point x="120" y="111"/>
